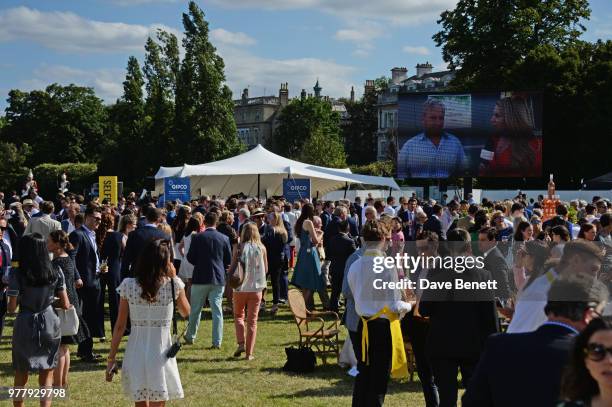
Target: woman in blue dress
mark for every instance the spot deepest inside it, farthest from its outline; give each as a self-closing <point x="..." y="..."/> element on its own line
<point x="307" y="273"/>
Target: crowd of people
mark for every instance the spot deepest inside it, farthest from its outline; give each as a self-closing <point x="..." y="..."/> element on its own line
<point x="146" y="261"/>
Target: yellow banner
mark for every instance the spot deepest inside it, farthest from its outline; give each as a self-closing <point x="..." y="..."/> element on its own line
<point x="107" y="189"/>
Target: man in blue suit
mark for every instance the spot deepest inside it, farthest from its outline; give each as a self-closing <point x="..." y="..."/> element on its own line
<point x="138" y="239"/>
<point x="534" y="361"/>
<point x="87" y="260"/>
<point x="211" y="254"/>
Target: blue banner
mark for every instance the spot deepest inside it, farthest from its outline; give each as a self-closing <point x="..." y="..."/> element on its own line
<point x="176" y="188"/>
<point x="295" y="189"/>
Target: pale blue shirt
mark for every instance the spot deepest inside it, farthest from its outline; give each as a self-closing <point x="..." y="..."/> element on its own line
<point x="421" y="158"/>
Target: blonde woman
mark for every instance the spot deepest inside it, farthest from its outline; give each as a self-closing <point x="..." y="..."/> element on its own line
<point x="275" y="239"/>
<point x="253" y="256"/>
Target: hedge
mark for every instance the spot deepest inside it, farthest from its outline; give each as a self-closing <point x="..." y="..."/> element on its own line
<point x="80" y="175"/>
<point x="377" y="168"/>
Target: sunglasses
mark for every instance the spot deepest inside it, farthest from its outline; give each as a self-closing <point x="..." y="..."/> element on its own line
<point x="597" y="352"/>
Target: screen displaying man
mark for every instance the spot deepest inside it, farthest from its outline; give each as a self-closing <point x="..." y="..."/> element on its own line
<point x="434" y="153"/>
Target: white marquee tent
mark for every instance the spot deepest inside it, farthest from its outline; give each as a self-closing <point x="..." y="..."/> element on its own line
<point x="260" y="168"/>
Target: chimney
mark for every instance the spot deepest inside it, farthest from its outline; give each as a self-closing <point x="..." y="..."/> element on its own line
<point x="398" y="75"/>
<point x="283" y="94"/>
<point x="424" y="69"/>
<point x="369" y="86"/>
<point x="303" y="94"/>
<point x="352" y="94"/>
<point x="245" y="95"/>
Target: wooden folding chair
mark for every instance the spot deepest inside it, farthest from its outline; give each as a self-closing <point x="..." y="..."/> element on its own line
<point x="314" y="333"/>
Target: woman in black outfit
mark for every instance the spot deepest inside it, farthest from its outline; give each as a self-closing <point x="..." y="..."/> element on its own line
<point x="112" y="251"/>
<point x="275" y="239"/>
<point x="60" y="246"/>
<point x="225" y="227"/>
<point x="179" y="224"/>
<point x="18" y="220"/>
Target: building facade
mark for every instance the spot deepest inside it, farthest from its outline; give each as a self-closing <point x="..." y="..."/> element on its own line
<point x="425" y="80"/>
<point x="256" y="118"/>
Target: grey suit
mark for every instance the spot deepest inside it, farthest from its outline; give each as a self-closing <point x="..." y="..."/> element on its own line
<point x="43" y="225"/>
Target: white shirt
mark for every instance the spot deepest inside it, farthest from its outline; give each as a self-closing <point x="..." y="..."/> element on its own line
<point x="389" y="210"/>
<point x="70" y="227"/>
<point x="529" y="312"/>
<point x="447" y="220"/>
<point x="369" y="300"/>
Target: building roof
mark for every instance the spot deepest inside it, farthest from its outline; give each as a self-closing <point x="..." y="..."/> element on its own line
<point x="436" y="75"/>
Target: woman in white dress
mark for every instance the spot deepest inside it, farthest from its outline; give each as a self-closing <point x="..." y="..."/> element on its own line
<point x="148" y="376"/>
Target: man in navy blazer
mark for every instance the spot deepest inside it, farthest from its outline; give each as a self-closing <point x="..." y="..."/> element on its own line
<point x="211" y="254"/>
<point x="138" y="239"/>
<point x="531" y="363"/>
<point x="434" y="224"/>
<point x="87" y="261"/>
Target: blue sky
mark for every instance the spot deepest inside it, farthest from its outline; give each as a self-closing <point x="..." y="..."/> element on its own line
<point x="263" y="42"/>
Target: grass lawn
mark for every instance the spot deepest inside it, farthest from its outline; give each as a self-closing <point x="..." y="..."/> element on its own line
<point x="215" y="378"/>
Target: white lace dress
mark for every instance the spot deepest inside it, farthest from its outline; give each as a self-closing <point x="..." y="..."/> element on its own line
<point x="146" y="373"/>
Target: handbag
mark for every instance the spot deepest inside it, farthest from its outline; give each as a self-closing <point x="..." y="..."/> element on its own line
<point x="69" y="321"/>
<point x="300" y="360"/>
<point x="176" y="340"/>
<point x="236" y="271"/>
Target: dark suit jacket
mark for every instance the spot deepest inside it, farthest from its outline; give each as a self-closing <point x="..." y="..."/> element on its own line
<point x="358" y="211"/>
<point x="434" y="225"/>
<point x="84" y="258"/>
<point x="6" y="263"/>
<point x="14" y="237"/>
<point x="137" y="240"/>
<point x="340" y="248"/>
<point x="530" y="363"/>
<point x="325" y="219"/>
<point x="500" y="272"/>
<point x="460" y="320"/>
<point x="331" y="230"/>
<point x="211" y="254"/>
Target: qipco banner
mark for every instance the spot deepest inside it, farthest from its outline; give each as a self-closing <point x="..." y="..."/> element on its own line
<point x="176" y="188"/>
<point x="295" y="189"/>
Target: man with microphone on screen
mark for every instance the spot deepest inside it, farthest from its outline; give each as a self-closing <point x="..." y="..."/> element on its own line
<point x="433" y="153"/>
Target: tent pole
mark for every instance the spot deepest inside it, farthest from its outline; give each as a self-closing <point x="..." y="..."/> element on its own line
<point x="258" y="184"/>
<point x="390" y="189"/>
<point x="346" y="189"/>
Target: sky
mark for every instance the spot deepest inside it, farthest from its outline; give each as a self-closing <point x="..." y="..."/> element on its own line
<point x="264" y="42"/>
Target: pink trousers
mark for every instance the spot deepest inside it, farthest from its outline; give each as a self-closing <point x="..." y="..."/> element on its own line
<point x="250" y="300"/>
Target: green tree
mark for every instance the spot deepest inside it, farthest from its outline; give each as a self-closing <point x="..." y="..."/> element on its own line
<point x="12" y="164"/>
<point x="360" y="131"/>
<point x="159" y="106"/>
<point x="204" y="126"/>
<point x="298" y="121"/>
<point x="125" y="130"/>
<point x="324" y="149"/>
<point x="486" y="38"/>
<point x="60" y="124"/>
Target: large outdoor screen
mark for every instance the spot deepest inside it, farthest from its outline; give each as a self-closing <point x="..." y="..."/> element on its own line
<point x="442" y="135"/>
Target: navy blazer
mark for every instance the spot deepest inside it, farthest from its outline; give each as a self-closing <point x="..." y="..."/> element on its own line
<point x="211" y="254"/>
<point x="6" y="262"/>
<point x="277" y="251"/>
<point x="84" y="258"/>
<point x="434" y="225"/>
<point x="532" y="362"/>
<point x="136" y="242"/>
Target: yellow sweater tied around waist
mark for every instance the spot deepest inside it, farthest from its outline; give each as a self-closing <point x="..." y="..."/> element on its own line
<point x="399" y="363"/>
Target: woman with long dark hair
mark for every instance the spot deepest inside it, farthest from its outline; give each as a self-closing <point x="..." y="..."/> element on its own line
<point x="186" y="269"/>
<point x="275" y="239"/>
<point x="587" y="232"/>
<point x="523" y="232"/>
<point x="36" y="332"/>
<point x="148" y="375"/>
<point x="530" y="263"/>
<point x="59" y="245"/>
<point x="586" y="381"/>
<point x="307" y="272"/>
<point x="179" y="225"/>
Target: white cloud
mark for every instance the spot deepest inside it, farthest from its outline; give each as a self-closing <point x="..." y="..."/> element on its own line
<point x="108" y="83"/>
<point x="409" y="49"/>
<point x="362" y="34"/>
<point x="403" y="12"/>
<point x="66" y="31"/>
<point x="243" y="69"/>
<point x="221" y="36"/>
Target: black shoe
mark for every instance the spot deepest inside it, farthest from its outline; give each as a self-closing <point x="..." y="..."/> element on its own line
<point x="93" y="358"/>
<point x="212" y="347"/>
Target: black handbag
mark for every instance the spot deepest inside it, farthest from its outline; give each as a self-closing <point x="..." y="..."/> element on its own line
<point x="300" y="360"/>
<point x="176" y="340"/>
